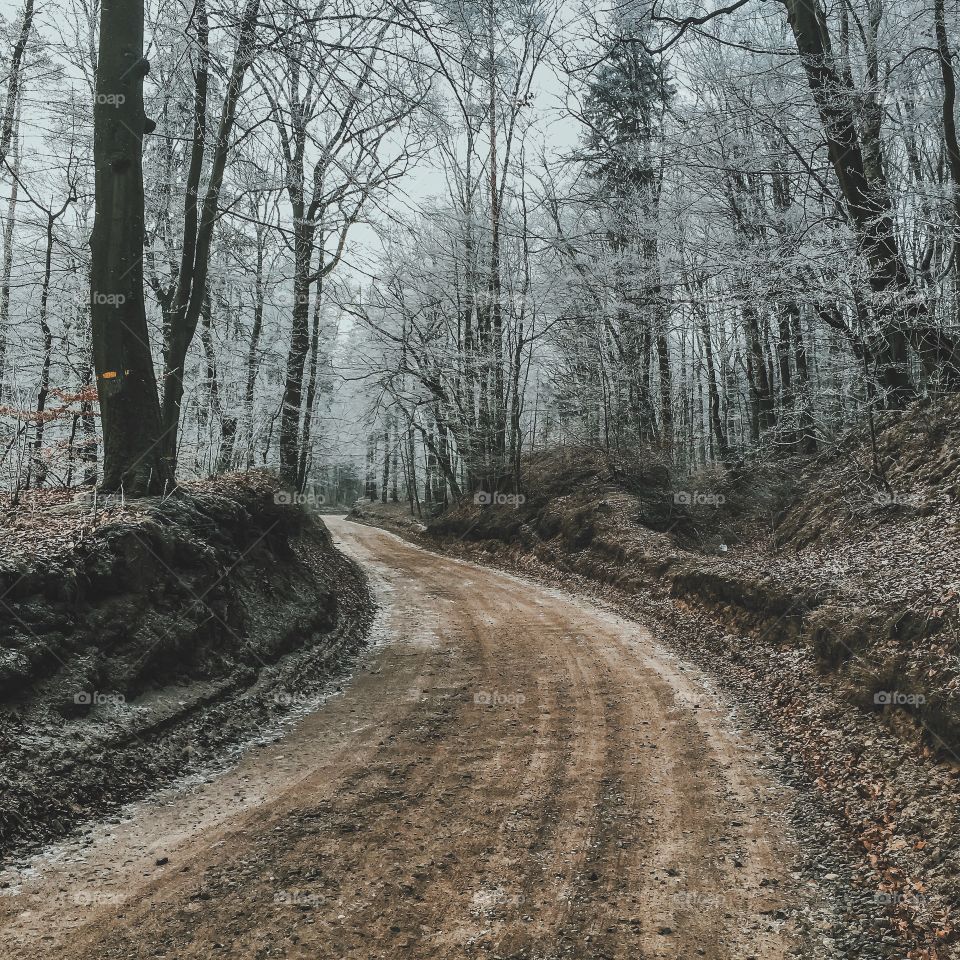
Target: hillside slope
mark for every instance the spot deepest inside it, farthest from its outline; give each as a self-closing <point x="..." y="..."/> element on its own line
<point x="139" y="642"/>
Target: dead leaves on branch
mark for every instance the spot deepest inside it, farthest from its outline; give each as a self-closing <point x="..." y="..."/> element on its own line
<point x="70" y="405"/>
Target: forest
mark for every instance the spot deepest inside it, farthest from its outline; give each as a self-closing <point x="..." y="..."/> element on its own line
<point x="479" y="479"/>
<point x="402" y="246"/>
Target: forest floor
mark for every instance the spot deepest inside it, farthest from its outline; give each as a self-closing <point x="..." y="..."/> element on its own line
<point x="510" y="773"/>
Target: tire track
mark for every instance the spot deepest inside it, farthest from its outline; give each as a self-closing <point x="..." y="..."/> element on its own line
<point x="406" y="820"/>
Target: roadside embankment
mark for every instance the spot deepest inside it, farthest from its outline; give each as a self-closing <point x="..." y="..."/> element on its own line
<point x="140" y="640"/>
<point x="825" y="596"/>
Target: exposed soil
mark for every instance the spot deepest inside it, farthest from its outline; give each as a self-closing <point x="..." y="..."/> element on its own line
<point x="145" y="641"/>
<point x="822" y="593"/>
<point x="876" y="814"/>
<point x="510" y="773"/>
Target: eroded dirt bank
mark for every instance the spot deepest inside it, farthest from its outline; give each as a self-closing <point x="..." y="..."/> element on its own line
<point x="142" y="641"/>
<point x="510" y="773"/>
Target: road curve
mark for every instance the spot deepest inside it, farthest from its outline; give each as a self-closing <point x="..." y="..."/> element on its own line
<point x="511" y="773"/>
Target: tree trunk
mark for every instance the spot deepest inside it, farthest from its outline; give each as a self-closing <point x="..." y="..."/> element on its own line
<point x="228" y="423"/>
<point x="788" y="427"/>
<point x="88" y="427"/>
<point x="252" y="351"/>
<point x="371" y="478"/>
<point x="761" y="393"/>
<point x="7" y="268"/>
<point x="716" y="421"/>
<point x="495" y="382"/>
<point x="411" y="470"/>
<point x="385" y="485"/>
<point x="305" y="439"/>
<point x="15" y="75"/>
<point x="949" y="120"/>
<point x="299" y="348"/>
<point x="129" y="407"/>
<point x="806" y="434"/>
<point x="176" y="338"/>
<point x="192" y="280"/>
<point x="666" y="382"/>
<point x="899" y="317"/>
<point x="395" y="486"/>
<point x="37" y="465"/>
<point x="429" y="467"/>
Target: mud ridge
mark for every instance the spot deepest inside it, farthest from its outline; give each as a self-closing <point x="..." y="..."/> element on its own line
<point x="143" y="649"/>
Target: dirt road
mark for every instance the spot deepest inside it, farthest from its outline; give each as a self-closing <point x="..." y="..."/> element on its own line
<point x="511" y="773"/>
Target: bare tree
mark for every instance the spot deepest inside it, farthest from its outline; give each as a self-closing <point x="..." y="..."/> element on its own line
<point x="127" y="385"/>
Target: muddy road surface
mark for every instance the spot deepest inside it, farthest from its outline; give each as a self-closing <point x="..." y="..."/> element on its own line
<point x="511" y="773"/>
